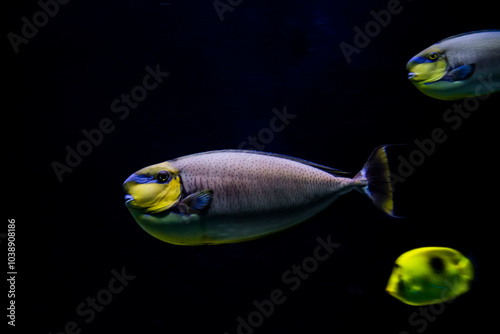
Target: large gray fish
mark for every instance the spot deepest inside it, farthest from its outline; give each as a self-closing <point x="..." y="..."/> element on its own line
<point x="459" y="66"/>
<point x="236" y="195"/>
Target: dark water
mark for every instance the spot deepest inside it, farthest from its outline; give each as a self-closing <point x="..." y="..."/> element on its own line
<point x="85" y="68"/>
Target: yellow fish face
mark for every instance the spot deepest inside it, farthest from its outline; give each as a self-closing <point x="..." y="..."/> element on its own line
<point x="430" y="275"/>
<point x="153" y="189"/>
<point x="427" y="67"/>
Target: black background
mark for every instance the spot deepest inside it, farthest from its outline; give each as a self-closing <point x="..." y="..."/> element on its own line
<point x="225" y="79"/>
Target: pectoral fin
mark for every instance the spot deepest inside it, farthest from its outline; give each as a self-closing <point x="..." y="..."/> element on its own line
<point x="460" y="73"/>
<point x="196" y="202"/>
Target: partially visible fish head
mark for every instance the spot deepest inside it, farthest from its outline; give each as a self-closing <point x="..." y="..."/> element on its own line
<point x="153" y="189"/>
<point x="427" y="66"/>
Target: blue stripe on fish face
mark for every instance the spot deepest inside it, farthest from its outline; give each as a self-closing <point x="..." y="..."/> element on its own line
<point x="430" y="58"/>
<point x="144" y="179"/>
<point x="140" y="179"/>
<point x="420" y="60"/>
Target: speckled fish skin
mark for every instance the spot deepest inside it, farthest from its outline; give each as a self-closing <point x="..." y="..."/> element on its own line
<point x="254" y="194"/>
<point x="244" y="206"/>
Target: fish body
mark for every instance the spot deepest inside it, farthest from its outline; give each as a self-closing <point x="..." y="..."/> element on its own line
<point x="460" y="66"/>
<point x="430" y="275"/>
<point x="235" y="195"/>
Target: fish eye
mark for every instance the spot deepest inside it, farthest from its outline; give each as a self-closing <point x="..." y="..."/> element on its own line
<point x="437" y="264"/>
<point x="433" y="56"/>
<point x="163" y="176"/>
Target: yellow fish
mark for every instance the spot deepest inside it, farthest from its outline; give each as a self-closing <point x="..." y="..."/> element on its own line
<point x="236" y="195"/>
<point x="459" y="66"/>
<point x="430" y="275"/>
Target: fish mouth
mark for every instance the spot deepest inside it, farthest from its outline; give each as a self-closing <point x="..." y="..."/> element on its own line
<point x="414" y="77"/>
<point x="128" y="201"/>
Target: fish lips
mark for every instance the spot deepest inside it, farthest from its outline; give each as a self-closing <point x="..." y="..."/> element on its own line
<point x="128" y="200"/>
<point x="410" y="66"/>
<point x="129" y="203"/>
<point x="412" y="76"/>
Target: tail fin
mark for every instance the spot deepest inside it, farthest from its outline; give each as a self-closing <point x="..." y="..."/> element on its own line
<point x="376" y="175"/>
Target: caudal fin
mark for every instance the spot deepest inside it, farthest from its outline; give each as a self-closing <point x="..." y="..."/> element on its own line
<point x="377" y="176"/>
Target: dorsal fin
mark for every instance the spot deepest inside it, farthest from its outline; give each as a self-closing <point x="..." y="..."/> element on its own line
<point x="327" y="169"/>
<point x="467" y="33"/>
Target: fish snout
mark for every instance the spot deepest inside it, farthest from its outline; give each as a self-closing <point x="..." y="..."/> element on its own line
<point x="412" y="75"/>
<point x="128" y="200"/>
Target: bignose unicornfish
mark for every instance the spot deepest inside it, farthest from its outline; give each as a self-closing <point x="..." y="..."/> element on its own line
<point x="231" y="196"/>
<point x="460" y="66"/>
